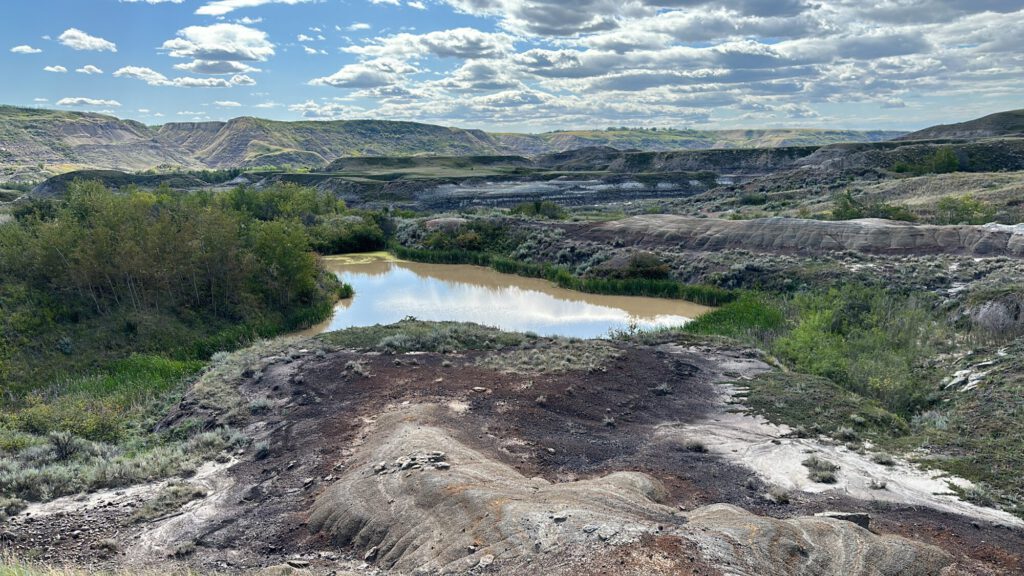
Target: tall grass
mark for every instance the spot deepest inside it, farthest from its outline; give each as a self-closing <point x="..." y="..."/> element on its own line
<point x="751" y="318"/>
<point x="866" y="339"/>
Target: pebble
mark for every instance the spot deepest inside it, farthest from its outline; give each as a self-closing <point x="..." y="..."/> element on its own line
<point x="486" y="560"/>
<point x="371" y="554"/>
<point x="479" y="389"/>
<point x="298" y="563"/>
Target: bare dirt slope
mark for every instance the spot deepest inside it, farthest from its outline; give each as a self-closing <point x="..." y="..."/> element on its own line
<point x="794" y="235"/>
<point x="538" y="457"/>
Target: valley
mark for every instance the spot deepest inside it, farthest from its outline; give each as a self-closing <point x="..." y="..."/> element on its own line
<point x="371" y="347"/>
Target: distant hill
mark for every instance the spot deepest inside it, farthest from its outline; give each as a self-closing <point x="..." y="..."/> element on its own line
<point x="666" y="140"/>
<point x="1000" y="124"/>
<point x="39" y="143"/>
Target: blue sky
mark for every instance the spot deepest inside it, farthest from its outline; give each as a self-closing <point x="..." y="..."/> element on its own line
<point x="529" y="65"/>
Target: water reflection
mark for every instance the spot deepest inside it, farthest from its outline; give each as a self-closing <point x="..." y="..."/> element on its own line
<point x="388" y="291"/>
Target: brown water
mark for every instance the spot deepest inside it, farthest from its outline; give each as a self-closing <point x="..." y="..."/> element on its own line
<point x="387" y="291"/>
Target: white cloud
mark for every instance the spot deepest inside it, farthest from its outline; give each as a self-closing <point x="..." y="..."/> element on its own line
<point x="416" y="4"/>
<point x="40" y="100"/>
<point x="25" y="49"/>
<point x="78" y="40"/>
<point x="390" y="2"/>
<point x="248" y="20"/>
<point x="79" y="101"/>
<point x="454" y="43"/>
<point x="227" y="104"/>
<point x="153" y="1"/>
<point x="147" y="75"/>
<point x="143" y="110"/>
<point x="356" y="26"/>
<point x="154" y="78"/>
<point x="222" y="7"/>
<point x="215" y="67"/>
<point x="57" y="69"/>
<point x="303" y="38"/>
<point x="327" y="111"/>
<point x="231" y="42"/>
<point x="370" y="74"/>
<point x="89" y="69"/>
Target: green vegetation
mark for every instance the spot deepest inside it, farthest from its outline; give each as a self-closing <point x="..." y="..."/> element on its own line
<point x="97" y="275"/>
<point x="540" y="208"/>
<point x="819" y="470"/>
<point x="638" y="286"/>
<point x="412" y="335"/>
<point x="865" y="339"/>
<point x="846" y="207"/>
<point x="112" y="302"/>
<point x="963" y="210"/>
<point x="942" y="161"/>
<point x="814" y="405"/>
<point x="750" y="318"/>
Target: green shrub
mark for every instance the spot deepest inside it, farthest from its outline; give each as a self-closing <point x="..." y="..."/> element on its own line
<point x="846" y="207"/>
<point x="542" y="208"/>
<point x="963" y="210"/>
<point x="819" y="470"/>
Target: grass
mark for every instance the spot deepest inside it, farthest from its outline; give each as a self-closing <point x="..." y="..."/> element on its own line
<point x="411" y="335"/>
<point x="552" y="356"/>
<point x="168" y="501"/>
<point x="750" y="318"/>
<point x="819" y="470"/>
<point x="815" y="405"/>
<point x="101" y="406"/>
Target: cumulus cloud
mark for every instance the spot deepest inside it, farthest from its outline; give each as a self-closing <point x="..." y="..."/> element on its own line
<point x="357" y="26"/>
<point x="454" y="43"/>
<point x="154" y="78"/>
<point x="57" y="69"/>
<point x="215" y="67"/>
<point x="80" y="101"/>
<point x="232" y="42"/>
<point x="89" y="69"/>
<point x="25" y="49"/>
<point x="77" y="40"/>
<point x="227" y="104"/>
<point x="369" y="74"/>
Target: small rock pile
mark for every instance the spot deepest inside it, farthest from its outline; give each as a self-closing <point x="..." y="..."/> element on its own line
<point x="419" y="461"/>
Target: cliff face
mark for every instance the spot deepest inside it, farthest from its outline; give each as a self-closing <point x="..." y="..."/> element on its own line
<point x="793" y="235"/>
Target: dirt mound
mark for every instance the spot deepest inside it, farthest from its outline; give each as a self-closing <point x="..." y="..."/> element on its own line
<point x="419" y="501"/>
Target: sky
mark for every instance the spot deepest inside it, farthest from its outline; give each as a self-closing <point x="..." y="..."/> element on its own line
<point x="521" y="65"/>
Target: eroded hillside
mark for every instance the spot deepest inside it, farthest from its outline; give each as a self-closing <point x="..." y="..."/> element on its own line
<point x="453" y="449"/>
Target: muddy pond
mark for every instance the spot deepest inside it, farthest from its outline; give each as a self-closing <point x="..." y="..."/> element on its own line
<point x="388" y="290"/>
